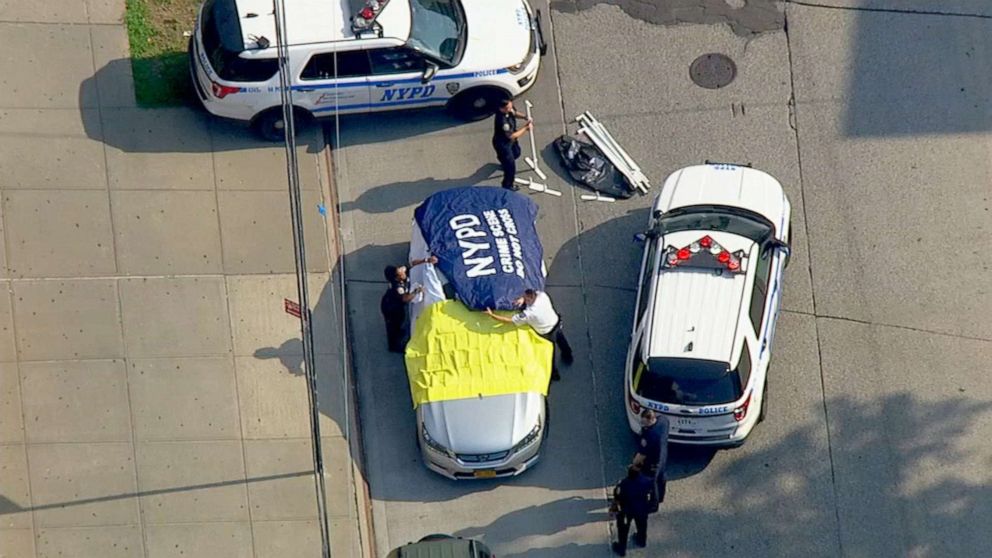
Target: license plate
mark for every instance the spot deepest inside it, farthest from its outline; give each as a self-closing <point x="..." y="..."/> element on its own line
<point x="685" y="422"/>
<point x="485" y="474"/>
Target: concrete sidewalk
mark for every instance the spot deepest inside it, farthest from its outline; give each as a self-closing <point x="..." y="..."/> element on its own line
<point x="151" y="395"/>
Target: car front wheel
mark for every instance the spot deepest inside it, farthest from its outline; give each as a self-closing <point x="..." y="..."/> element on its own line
<point x="477" y="103"/>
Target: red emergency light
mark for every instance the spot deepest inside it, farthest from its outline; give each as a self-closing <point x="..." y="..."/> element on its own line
<point x="705" y="253"/>
<point x="365" y="17"/>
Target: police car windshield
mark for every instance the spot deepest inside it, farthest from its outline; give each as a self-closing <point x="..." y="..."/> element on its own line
<point x="685" y="381"/>
<point x="716" y="218"/>
<point x="438" y="30"/>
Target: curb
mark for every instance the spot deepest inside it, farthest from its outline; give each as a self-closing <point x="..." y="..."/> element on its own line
<point x="363" y="499"/>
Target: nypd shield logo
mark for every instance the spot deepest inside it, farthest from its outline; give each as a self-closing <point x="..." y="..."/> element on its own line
<point x="453" y="87"/>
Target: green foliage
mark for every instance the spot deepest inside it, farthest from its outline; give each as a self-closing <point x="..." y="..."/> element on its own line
<point x="155" y="30"/>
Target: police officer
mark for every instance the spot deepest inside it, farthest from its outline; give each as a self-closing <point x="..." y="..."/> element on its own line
<point x="505" y="140"/>
<point x="652" y="451"/>
<point x="536" y="310"/>
<point x="394" y="303"/>
<point x="633" y="500"/>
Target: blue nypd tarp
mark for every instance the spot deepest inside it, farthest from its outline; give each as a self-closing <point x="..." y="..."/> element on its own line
<point x="486" y="243"/>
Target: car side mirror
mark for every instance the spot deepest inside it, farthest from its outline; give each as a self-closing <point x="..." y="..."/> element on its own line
<point x="787" y="251"/>
<point x="429" y="72"/>
<point x="640" y="238"/>
<point x="777" y="244"/>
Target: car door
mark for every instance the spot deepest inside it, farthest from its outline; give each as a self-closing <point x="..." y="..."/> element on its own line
<point x="765" y="297"/>
<point x="334" y="82"/>
<point x="396" y="80"/>
<point x="644" y="281"/>
<point x="781" y="257"/>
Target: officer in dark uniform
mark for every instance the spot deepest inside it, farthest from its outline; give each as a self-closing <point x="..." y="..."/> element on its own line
<point x="633" y="500"/>
<point x="505" y="140"/>
<point x="394" y="304"/>
<point x="652" y="451"/>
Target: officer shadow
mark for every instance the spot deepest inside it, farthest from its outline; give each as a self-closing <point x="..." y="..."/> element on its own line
<point x="542" y="519"/>
<point x="289" y="353"/>
<point x="387" y="198"/>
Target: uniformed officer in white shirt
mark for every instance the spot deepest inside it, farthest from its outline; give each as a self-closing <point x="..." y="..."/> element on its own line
<point x="537" y="312"/>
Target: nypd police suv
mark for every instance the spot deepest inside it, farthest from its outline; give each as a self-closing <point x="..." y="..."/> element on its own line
<point x="356" y="56"/>
<point x="708" y="297"/>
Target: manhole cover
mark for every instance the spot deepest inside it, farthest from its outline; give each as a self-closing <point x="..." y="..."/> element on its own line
<point x="712" y="71"/>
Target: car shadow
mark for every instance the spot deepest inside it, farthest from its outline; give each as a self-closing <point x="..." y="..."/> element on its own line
<point x="384" y="127"/>
<point x="610" y="263"/>
<point x="563" y="513"/>
<point x="188" y="128"/>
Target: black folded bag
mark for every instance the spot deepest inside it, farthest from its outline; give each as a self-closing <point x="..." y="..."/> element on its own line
<point x="588" y="166"/>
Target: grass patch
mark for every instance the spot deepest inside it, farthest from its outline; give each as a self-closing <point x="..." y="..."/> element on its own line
<point x="156" y="30"/>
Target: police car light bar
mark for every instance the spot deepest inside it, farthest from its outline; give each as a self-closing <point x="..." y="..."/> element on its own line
<point x="366" y="14"/>
<point x="705" y="253"/>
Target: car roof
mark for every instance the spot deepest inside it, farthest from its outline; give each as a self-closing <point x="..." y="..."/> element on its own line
<point x="727" y="185"/>
<point x="439" y="548"/>
<point x="316" y="21"/>
<point x="697" y="313"/>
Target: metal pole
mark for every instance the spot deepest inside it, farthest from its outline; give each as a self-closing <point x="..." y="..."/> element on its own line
<point x="532" y="160"/>
<point x="296" y="216"/>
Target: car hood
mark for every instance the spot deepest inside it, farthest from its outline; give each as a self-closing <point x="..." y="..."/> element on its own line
<point x="489" y="22"/>
<point x="483" y="425"/>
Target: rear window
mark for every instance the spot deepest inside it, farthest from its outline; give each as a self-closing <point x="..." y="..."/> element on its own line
<point x="716" y="218"/>
<point x="684" y="381"/>
<point x="223" y="45"/>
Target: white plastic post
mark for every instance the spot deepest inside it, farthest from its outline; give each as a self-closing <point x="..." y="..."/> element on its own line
<point x="532" y="160"/>
<point x="533" y="165"/>
<point x="537" y="187"/>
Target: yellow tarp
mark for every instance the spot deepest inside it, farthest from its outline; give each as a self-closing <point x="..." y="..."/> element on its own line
<point x="455" y="353"/>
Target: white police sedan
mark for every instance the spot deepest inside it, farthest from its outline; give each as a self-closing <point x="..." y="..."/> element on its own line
<point x="708" y="298"/>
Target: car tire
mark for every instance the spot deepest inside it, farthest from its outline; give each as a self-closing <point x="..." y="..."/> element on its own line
<point x="476" y="103"/>
<point x="269" y="124"/>
<point x="436" y="537"/>
<point x="764" y="403"/>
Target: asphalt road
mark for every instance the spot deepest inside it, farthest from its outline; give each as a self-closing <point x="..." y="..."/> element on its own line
<point x="877" y="123"/>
